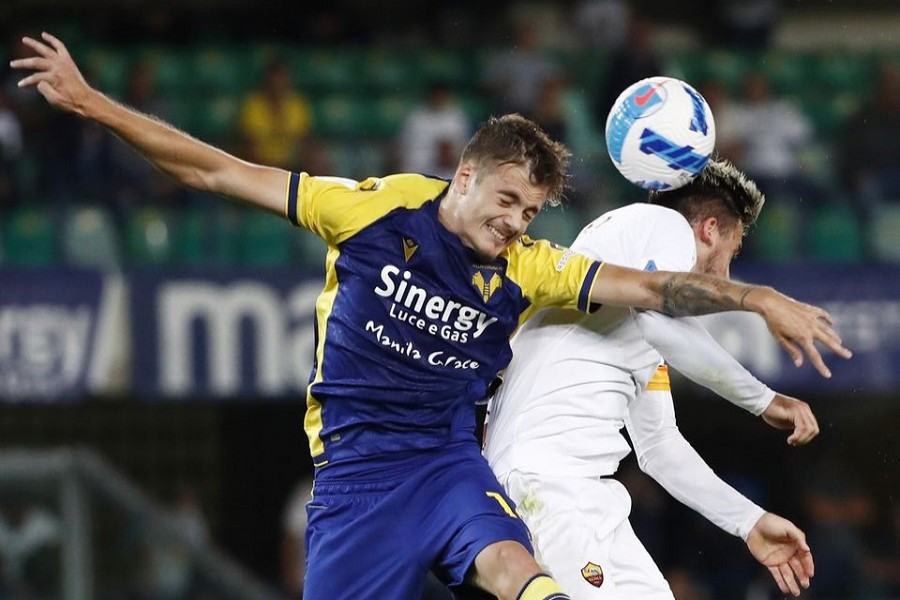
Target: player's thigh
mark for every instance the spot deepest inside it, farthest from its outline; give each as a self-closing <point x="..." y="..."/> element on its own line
<point x="469" y="512"/>
<point x="573" y="523"/>
<point x="633" y="569"/>
<point x="357" y="545"/>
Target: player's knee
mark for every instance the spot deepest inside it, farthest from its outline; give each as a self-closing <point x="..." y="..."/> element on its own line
<point x="508" y="570"/>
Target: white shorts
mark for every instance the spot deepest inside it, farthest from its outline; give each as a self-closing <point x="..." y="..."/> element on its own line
<point x="581" y="535"/>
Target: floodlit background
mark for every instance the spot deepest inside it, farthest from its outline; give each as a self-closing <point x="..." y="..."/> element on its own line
<point x="155" y="343"/>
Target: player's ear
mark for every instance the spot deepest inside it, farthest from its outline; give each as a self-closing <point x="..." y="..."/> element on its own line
<point x="708" y="230"/>
<point x="462" y="180"/>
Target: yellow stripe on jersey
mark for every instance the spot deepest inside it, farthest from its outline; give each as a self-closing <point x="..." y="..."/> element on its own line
<point x="312" y="422"/>
<point x="660" y="380"/>
<point x="335" y="208"/>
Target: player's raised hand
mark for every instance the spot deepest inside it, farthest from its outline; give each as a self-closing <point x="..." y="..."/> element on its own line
<point x="55" y="74"/>
<point x="785" y="412"/>
<point x="780" y="545"/>
<point x="798" y="327"/>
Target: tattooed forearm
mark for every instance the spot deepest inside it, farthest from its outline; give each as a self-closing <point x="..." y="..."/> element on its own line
<point x="686" y="294"/>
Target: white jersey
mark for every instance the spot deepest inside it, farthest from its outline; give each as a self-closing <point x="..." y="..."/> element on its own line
<point x="575" y="381"/>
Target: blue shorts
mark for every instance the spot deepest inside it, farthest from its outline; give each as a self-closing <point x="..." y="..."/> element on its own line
<point x="378" y="535"/>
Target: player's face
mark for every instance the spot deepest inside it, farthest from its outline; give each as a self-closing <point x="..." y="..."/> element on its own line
<point x="723" y="247"/>
<point x="495" y="206"/>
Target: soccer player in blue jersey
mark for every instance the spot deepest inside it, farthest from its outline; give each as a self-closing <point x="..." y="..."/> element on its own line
<point x="425" y="282"/>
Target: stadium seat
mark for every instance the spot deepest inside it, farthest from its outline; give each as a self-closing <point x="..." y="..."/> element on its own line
<point x="149" y="237"/>
<point x="230" y="71"/>
<point x="559" y="224"/>
<point x="191" y="237"/>
<point x="788" y="72"/>
<point x="265" y="240"/>
<point x="173" y="69"/>
<point x="454" y="68"/>
<point x="884" y="233"/>
<point x="834" y="235"/>
<point x="829" y="112"/>
<point x="107" y="68"/>
<point x="213" y="119"/>
<point x="89" y="238"/>
<point x="388" y="114"/>
<point x="340" y="115"/>
<point x="775" y="238"/>
<point x="382" y="72"/>
<point x="326" y="71"/>
<point x="29" y="238"/>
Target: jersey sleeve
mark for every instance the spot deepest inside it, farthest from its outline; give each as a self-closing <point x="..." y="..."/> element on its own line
<point x="335" y="208"/>
<point x="688" y="347"/>
<point x="551" y="275"/>
<point x="664" y="454"/>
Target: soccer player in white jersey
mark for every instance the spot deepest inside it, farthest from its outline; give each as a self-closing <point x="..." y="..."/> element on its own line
<point x="554" y="435"/>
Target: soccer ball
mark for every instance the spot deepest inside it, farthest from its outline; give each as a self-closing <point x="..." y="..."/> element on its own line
<point x="660" y="133"/>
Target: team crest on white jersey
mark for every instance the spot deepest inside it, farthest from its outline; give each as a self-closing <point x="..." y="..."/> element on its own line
<point x="593" y="574"/>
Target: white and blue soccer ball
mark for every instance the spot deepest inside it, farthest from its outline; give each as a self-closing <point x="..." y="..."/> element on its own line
<point x="660" y="133"/>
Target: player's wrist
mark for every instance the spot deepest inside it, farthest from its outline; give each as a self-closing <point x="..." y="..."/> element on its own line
<point x="759" y="299"/>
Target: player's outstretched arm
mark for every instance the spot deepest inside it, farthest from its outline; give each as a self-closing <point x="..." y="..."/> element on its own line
<point x="189" y="161"/>
<point x="781" y="546"/>
<point x="795" y="325"/>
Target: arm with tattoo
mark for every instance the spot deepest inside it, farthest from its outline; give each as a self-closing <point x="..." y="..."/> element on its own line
<point x="685" y="294"/>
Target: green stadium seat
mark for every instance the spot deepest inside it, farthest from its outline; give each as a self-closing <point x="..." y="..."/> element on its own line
<point x="451" y="67"/>
<point x="173" y="69"/>
<point x="788" y="72"/>
<point x="326" y="71"/>
<point x="191" y="237"/>
<point x="559" y="224"/>
<point x="884" y="233"/>
<point x="340" y="116"/>
<point x="829" y="111"/>
<point x="149" y="237"/>
<point x="89" y="238"/>
<point x="213" y="119"/>
<point x="843" y="71"/>
<point x="382" y="71"/>
<point x="775" y="239"/>
<point x="265" y="240"/>
<point x="388" y="114"/>
<point x="107" y="69"/>
<point x="834" y="235"/>
<point x="726" y="67"/>
<point x="230" y="71"/>
<point x="686" y="64"/>
<point x="29" y="237"/>
<point x="308" y="249"/>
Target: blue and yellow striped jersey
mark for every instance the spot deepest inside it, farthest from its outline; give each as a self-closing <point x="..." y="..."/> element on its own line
<point x="411" y="328"/>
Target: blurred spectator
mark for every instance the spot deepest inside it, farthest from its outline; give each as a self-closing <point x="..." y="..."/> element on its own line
<point x="770" y="136"/>
<point x="839" y="509"/>
<point x="10" y="151"/>
<point x="745" y="24"/>
<point x="514" y="75"/>
<point x="599" y="23"/>
<point x="25" y="532"/>
<point x="434" y="134"/>
<point x="685" y="585"/>
<point x="870" y="143"/>
<point x="275" y="119"/>
<point x="632" y="61"/>
<point x="110" y="169"/>
<point x="170" y="570"/>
